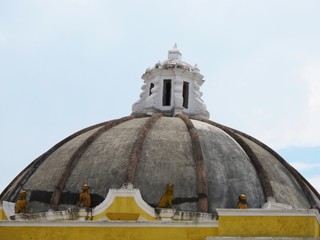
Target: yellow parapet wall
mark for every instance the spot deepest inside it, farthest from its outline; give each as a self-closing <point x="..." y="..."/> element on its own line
<point x="2" y="214"/>
<point x="102" y="231"/>
<point x="269" y="226"/>
<point x="268" y="223"/>
<point x="243" y="225"/>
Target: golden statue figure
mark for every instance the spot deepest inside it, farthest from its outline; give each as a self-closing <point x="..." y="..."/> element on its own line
<point x="85" y="199"/>
<point x="167" y="197"/>
<point x="21" y="205"/>
<point x="242" y="203"/>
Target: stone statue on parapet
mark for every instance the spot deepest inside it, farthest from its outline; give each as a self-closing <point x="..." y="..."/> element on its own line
<point x="85" y="198"/>
<point x="21" y="205"/>
<point x="242" y="203"/>
<point x="167" y="197"/>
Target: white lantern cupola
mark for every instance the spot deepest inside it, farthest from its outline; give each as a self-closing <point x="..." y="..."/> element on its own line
<point x="172" y="87"/>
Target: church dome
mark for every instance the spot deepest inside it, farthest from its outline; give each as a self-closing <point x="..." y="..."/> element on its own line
<point x="166" y="140"/>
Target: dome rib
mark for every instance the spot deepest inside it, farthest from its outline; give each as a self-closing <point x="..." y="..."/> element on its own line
<point x="303" y="183"/>
<point x="55" y="198"/>
<point x="26" y="173"/>
<point x="200" y="167"/>
<point x="263" y="177"/>
<point x="137" y="148"/>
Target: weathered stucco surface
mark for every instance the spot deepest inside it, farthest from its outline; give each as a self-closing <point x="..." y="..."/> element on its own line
<point x="166" y="156"/>
<point x="229" y="170"/>
<point x="286" y="188"/>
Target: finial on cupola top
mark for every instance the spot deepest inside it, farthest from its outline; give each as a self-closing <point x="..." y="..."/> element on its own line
<point x="174" y="53"/>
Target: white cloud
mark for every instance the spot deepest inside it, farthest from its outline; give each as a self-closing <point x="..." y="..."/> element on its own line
<point x="312" y="77"/>
<point x="3" y="41"/>
<point x="2" y="38"/>
<point x="315" y="182"/>
<point x="301" y="166"/>
<point x="54" y="23"/>
<point x="310" y="128"/>
<point x="310" y="172"/>
<point x="294" y="119"/>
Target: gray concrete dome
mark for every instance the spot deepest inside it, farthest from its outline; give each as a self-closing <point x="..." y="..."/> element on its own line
<point x="209" y="164"/>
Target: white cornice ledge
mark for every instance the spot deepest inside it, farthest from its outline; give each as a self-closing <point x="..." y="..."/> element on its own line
<point x="268" y="212"/>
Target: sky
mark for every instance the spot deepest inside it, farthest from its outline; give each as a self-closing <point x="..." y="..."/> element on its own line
<point x="68" y="64"/>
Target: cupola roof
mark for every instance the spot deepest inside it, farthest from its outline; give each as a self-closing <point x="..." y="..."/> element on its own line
<point x="172" y="87"/>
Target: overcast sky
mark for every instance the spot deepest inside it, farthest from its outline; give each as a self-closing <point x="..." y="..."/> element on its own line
<point x="66" y="65"/>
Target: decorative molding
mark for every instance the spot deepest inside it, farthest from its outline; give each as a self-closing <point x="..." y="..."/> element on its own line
<point x="268" y="212"/>
<point x="125" y="191"/>
<point x="104" y="224"/>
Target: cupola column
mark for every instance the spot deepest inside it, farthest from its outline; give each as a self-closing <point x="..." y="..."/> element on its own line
<point x="178" y="97"/>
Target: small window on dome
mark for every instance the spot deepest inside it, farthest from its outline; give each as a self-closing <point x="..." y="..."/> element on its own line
<point x="166" y="97"/>
<point x="151" y="86"/>
<point x="185" y="94"/>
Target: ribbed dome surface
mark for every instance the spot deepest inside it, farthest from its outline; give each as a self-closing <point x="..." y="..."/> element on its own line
<point x="209" y="164"/>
